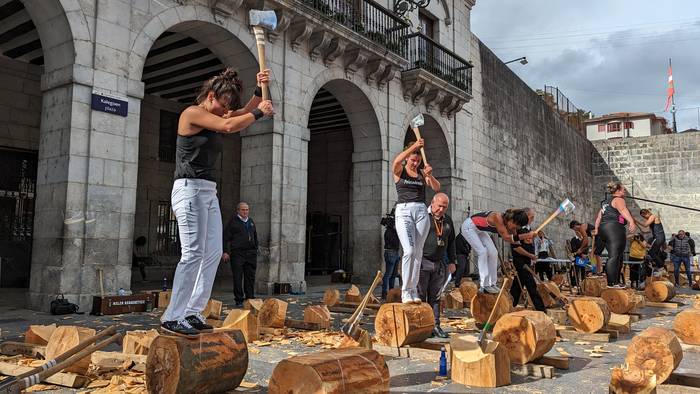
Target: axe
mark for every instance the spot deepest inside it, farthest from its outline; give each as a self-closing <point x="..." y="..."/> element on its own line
<point x="487" y="326"/>
<point x="565" y="208"/>
<point x="262" y="20"/>
<point x="352" y="328"/>
<point x="417" y="122"/>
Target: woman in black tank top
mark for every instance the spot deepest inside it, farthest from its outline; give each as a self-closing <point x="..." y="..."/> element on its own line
<point x="199" y="138"/>
<point x="610" y="224"/>
<point x="657" y="233"/>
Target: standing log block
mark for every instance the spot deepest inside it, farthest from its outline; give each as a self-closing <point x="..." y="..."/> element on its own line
<point x="213" y="309"/>
<point x="331" y="297"/>
<point x="632" y="380"/>
<point x="138" y="341"/>
<point x="253" y="305"/>
<point x="656" y="349"/>
<point x="244" y="320"/>
<point x="544" y="293"/>
<point x="620" y="301"/>
<point x="399" y="324"/>
<point x="687" y="326"/>
<point x="454" y="300"/>
<point x="660" y="291"/>
<point x="482" y="303"/>
<point x="353" y="294"/>
<point x="394" y="295"/>
<point x="354" y="370"/>
<point x="67" y="337"/>
<point x="527" y="335"/>
<point x="593" y="286"/>
<point x="39" y="335"/>
<point x="468" y="290"/>
<point x="164" y="298"/>
<point x="318" y="314"/>
<point x="473" y="367"/>
<point x="621" y="323"/>
<point x="588" y="314"/>
<point x="273" y="313"/>
<point x="212" y="363"/>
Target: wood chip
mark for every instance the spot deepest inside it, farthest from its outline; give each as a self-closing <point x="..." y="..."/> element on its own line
<point x="596" y="355"/>
<point x="248" y="385"/>
<point x="600" y="349"/>
<point x="582" y="343"/>
<point x="563" y="352"/>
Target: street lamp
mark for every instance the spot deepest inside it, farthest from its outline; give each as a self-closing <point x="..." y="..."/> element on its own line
<point x="401" y="7"/>
<point x="523" y="60"/>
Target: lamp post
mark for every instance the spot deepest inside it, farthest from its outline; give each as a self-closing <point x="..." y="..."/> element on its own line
<point x="522" y="60"/>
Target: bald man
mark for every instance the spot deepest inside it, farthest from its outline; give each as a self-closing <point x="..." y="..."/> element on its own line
<point x="434" y="270"/>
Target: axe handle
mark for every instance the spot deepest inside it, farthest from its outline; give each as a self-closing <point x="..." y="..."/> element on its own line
<point x="506" y="283"/>
<point x="260" y="41"/>
<point x="549" y="219"/>
<point x="422" y="151"/>
<point x="358" y="312"/>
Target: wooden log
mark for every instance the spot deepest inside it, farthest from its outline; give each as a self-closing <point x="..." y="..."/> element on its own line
<point x="573" y="335"/>
<point x="138" y="341"/>
<point x="687" y="326"/>
<point x="473" y="367"/>
<point x="244" y="320"/>
<point x="454" y="300"/>
<point x="632" y="380"/>
<point x="468" y="290"/>
<point x="318" y="314"/>
<point x="11" y="348"/>
<point x="535" y="370"/>
<point x="394" y="295"/>
<point x="213" y="309"/>
<point x="273" y="313"/>
<point x="593" y="286"/>
<point x="65" y="379"/>
<point x="684" y="377"/>
<point x="482" y="303"/>
<point x="660" y="291"/>
<point x="544" y="293"/>
<point x="399" y="324"/>
<point x="302" y="325"/>
<point x="253" y="305"/>
<point x="164" y="298"/>
<point x="355" y="370"/>
<point x="656" y="349"/>
<point x="106" y="361"/>
<point x="620" y="301"/>
<point x="527" y="335"/>
<point x="66" y="337"/>
<point x="331" y="297"/>
<point x="213" y="363"/>
<point x="559" y="316"/>
<point x="39" y="335"/>
<point x="353" y="294"/>
<point x="588" y="314"/>
<point x="621" y="323"/>
<point x="559" y="362"/>
<point x="559" y="279"/>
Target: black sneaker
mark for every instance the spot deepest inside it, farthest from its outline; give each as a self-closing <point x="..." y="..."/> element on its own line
<point x="437" y="332"/>
<point x="198" y="323"/>
<point x="239" y="304"/>
<point x="180" y="328"/>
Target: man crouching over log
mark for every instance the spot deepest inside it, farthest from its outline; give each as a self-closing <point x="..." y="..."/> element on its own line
<point x="434" y="269"/>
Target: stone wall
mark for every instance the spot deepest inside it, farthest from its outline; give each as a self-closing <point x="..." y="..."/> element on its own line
<point x="20" y="104"/>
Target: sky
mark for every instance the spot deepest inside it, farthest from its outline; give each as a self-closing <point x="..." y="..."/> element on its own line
<point x="604" y="55"/>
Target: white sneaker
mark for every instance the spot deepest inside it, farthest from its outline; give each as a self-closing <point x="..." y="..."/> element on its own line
<point x="641" y="286"/>
<point x="416" y="298"/>
<point x="406" y="297"/>
<point x="617" y="287"/>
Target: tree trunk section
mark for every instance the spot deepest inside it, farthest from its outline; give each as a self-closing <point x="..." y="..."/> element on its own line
<point x="659" y="291"/>
<point x="472" y="366"/>
<point x="353" y="294"/>
<point x="399" y="324"/>
<point x="211" y="363"/>
<point x="318" y="314"/>
<point x="331" y="297"/>
<point x="620" y="301"/>
<point x="253" y="305"/>
<point x="138" y="342"/>
<point x="482" y="303"/>
<point x="355" y="370"/>
<point x="544" y="293"/>
<point x="454" y="300"/>
<point x="213" y="309"/>
<point x="244" y="320"/>
<point x="273" y="313"/>
<point x="687" y="326"/>
<point x="527" y="335"/>
<point x="632" y="380"/>
<point x="67" y="337"/>
<point x="593" y="286"/>
<point x="588" y="314"/>
<point x="39" y="335"/>
<point x="468" y="290"/>
<point x="656" y="349"/>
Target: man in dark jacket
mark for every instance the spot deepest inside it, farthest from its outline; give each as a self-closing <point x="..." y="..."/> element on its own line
<point x="680" y="254"/>
<point x="434" y="270"/>
<point x="241" y="249"/>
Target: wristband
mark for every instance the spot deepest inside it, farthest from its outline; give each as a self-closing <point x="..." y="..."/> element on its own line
<point x="258" y="91"/>
<point x="257" y="113"/>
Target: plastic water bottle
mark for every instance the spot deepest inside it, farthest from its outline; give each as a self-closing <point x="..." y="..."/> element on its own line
<point x="165" y="283"/>
<point x="443" y="362"/>
<point x="121" y="292"/>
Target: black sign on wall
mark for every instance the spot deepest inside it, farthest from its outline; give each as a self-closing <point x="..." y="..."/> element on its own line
<point x="109" y="105"/>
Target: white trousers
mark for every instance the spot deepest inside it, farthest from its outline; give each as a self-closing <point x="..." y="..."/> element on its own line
<point x="482" y="244"/>
<point x="412" y="225"/>
<point x="196" y="207"/>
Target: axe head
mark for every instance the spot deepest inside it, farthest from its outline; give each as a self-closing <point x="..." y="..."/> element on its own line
<point x="266" y="19"/>
<point x="566" y="207"/>
<point x="352" y="330"/>
<point x="418" y="121"/>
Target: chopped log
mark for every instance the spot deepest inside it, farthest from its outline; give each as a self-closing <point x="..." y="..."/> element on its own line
<point x="64" y="338"/>
<point x="660" y="291"/>
<point x="253" y="305"/>
<point x="106" y="361"/>
<point x="527" y="335"/>
<point x="559" y="362"/>
<point x="394" y="295"/>
<point x="468" y="290"/>
<point x="302" y="325"/>
<point x="621" y="323"/>
<point x="593" y="286"/>
<point x="244" y="320"/>
<point x="331" y="297"/>
<point x="11" y="348"/>
<point x="687" y="326"/>
<point x="65" y="379"/>
<point x="632" y="380"/>
<point x="544" y="293"/>
<point x="164" y="298"/>
<point x="273" y="313"/>
<point x="39" y="335"/>
<point x="558" y="279"/>
<point x="216" y="323"/>
<point x="620" y="301"/>
<point x="454" y="300"/>
<point x="138" y="341"/>
<point x="482" y="303"/>
<point x="559" y="316"/>
<point x="364" y="340"/>
<point x="355" y="370"/>
<point x="403" y="324"/>
<point x="473" y="367"/>
<point x="656" y="349"/>
<point x="318" y="314"/>
<point x="353" y="294"/>
<point x="588" y="314"/>
<point x="213" y="363"/>
<point x="213" y="309"/>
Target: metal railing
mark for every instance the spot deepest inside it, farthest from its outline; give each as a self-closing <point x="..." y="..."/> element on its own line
<point x="367" y="18"/>
<point x="424" y="53"/>
<point x="564" y="107"/>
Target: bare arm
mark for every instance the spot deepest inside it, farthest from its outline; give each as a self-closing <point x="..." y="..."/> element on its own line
<point x="521" y="251"/>
<point x="397" y="164"/>
<point x="597" y="221"/>
<point x="196" y="118"/>
<point x="620" y="205"/>
<point x="262" y="77"/>
<point x="430" y="179"/>
<point x="584" y="241"/>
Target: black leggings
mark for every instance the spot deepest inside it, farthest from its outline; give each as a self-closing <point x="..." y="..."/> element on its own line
<point x="613" y="234"/>
<point x="655" y="251"/>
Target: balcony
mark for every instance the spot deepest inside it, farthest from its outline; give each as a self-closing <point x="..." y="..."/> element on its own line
<point x="435" y="75"/>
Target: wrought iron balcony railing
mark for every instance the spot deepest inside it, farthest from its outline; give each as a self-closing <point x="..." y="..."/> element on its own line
<point x="424" y="53"/>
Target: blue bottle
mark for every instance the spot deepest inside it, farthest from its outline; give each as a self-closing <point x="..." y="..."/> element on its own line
<point x="443" y="362"/>
<point x="165" y="283"/>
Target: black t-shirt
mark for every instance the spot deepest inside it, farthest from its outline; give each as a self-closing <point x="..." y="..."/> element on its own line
<point x="530" y="248"/>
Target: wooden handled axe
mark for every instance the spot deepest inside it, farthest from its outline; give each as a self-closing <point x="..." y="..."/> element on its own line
<point x="487" y="326"/>
<point x="262" y="20"/>
<point x="565" y="208"/>
<point x="417" y="122"/>
<point x="352" y="327"/>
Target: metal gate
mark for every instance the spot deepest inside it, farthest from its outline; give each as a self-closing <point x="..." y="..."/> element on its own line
<point x="17" y="193"/>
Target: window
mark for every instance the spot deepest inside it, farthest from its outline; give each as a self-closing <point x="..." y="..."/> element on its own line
<point x="167" y="136"/>
<point x="167" y="238"/>
<point x="613" y="127"/>
<point x="629" y="125"/>
<point x="427" y="25"/>
<point x="602" y="128"/>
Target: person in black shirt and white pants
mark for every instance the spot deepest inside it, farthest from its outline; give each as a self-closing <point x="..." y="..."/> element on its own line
<point x="241" y="249"/>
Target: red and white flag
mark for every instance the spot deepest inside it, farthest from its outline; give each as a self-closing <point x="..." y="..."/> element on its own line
<point x="671" y="90"/>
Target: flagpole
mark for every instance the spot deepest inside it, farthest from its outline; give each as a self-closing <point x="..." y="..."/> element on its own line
<point x="673" y="102"/>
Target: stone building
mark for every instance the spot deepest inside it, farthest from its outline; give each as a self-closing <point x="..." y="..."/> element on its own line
<point x="347" y="78"/>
